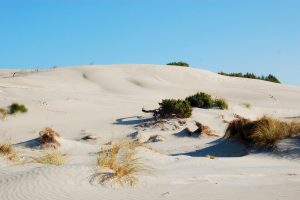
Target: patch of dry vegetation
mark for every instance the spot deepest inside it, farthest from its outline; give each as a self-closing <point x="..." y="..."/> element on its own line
<point x="3" y="113"/>
<point x="7" y="150"/>
<point x="48" y="138"/>
<point x="53" y="158"/>
<point x="122" y="161"/>
<point x="264" y="132"/>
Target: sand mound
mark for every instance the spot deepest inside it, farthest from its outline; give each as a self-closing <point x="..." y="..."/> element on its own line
<point x="108" y="100"/>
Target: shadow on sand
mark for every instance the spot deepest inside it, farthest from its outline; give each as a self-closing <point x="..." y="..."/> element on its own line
<point x="293" y="117"/>
<point x="30" y="143"/>
<point x="220" y="148"/>
<point x="135" y="120"/>
<point x="288" y="148"/>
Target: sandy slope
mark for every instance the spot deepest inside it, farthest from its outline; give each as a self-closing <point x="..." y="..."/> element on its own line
<point x="106" y="101"/>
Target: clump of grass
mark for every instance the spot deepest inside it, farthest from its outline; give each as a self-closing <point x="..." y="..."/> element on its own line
<point x="123" y="162"/>
<point x="53" y="158"/>
<point x="7" y="150"/>
<point x="264" y="132"/>
<point x="221" y="104"/>
<point x="246" y="105"/>
<point x="15" y="108"/>
<point x="180" y="63"/>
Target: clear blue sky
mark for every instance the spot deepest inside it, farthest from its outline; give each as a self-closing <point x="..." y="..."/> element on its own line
<point x="260" y="36"/>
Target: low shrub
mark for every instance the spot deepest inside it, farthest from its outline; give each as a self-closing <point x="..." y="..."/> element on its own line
<point x="174" y="108"/>
<point x="15" y="108"/>
<point x="270" y="77"/>
<point x="264" y="132"/>
<point x="203" y="100"/>
<point x="221" y="104"/>
<point x="181" y="63"/>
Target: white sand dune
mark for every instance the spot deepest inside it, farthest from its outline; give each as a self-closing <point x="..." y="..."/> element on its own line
<point x="106" y="101"/>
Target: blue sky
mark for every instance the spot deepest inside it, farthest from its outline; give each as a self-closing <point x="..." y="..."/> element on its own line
<point x="260" y="36"/>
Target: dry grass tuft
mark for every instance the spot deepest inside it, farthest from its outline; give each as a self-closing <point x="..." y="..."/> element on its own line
<point x="210" y="157"/>
<point x="3" y="113"/>
<point x="122" y="160"/>
<point x="264" y="132"/>
<point x="53" y="158"/>
<point x="48" y="138"/>
<point x="7" y="150"/>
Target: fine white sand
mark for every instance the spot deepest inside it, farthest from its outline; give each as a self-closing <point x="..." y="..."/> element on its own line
<point x="106" y="101"/>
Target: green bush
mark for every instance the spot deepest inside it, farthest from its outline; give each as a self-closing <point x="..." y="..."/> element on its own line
<point x="181" y="63"/>
<point x="172" y="107"/>
<point x="270" y="77"/>
<point x="221" y="103"/>
<point x="15" y="107"/>
<point x="200" y="100"/>
<point x="203" y="100"/>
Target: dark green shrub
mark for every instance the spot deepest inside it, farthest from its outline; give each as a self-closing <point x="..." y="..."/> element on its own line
<point x="203" y="100"/>
<point x="221" y="103"/>
<point x="172" y="107"/>
<point x="250" y="75"/>
<point x="270" y="77"/>
<point x="15" y="107"/>
<point x="181" y="63"/>
<point x="200" y="100"/>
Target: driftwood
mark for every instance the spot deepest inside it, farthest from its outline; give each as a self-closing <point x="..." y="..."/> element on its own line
<point x="155" y="112"/>
<point x="201" y="130"/>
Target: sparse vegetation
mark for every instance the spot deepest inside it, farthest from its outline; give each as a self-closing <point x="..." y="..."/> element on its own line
<point x="180" y="63"/>
<point x="204" y="100"/>
<point x="270" y="77"/>
<point x="7" y="150"/>
<point x="264" y="132"/>
<point x="15" y="108"/>
<point x="246" y="105"/>
<point x="123" y="162"/>
<point x="53" y="158"/>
